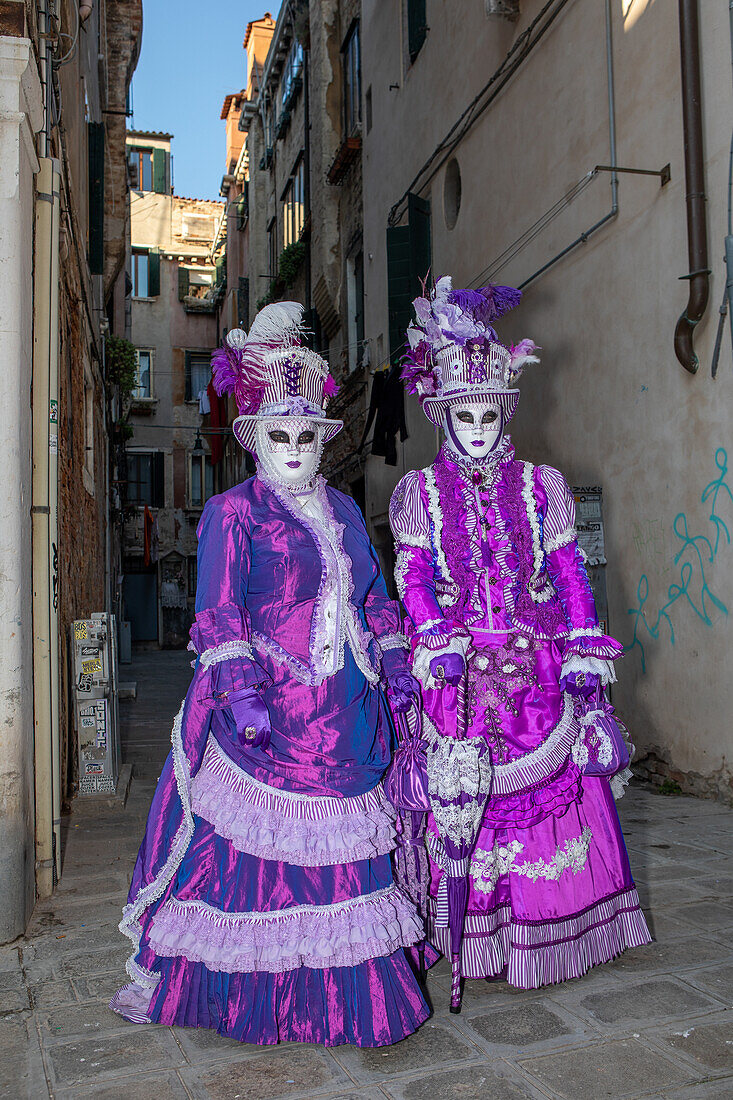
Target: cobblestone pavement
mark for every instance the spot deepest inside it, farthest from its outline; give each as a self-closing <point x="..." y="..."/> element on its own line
<point x="655" y="1023"/>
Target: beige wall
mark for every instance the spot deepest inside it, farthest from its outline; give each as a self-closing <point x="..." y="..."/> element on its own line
<point x="610" y="402"/>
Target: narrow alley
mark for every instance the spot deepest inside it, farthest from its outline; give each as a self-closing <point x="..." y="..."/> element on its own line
<point x="657" y="1022"/>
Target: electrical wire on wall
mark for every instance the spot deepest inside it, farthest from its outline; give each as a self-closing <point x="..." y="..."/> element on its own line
<point x="518" y="53"/>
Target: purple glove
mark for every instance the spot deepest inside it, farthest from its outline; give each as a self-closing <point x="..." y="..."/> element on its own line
<point x="581" y="685"/>
<point x="448" y="668"/>
<point x="252" y="719"/>
<point x="402" y="691"/>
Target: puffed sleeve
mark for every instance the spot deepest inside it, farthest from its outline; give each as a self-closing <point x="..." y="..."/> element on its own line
<point x="220" y="634"/>
<point x="414" y="572"/>
<point x="587" y="649"/>
<point x="432" y="635"/>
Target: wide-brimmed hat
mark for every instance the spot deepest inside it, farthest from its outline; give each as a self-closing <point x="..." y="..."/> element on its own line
<point x="455" y="354"/>
<point x="271" y="374"/>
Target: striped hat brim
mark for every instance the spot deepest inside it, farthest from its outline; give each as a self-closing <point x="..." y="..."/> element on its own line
<point x="435" y="407"/>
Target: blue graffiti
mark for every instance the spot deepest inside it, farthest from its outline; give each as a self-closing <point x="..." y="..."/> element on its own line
<point x="696" y="553"/>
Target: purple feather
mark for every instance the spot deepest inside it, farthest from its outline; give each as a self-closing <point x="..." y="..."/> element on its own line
<point x="330" y="388"/>
<point x="487" y="303"/>
<point x="239" y="371"/>
<point x="502" y="299"/>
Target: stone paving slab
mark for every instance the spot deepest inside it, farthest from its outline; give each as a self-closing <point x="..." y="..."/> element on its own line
<point x="493" y="1080"/>
<point x="622" y="1069"/>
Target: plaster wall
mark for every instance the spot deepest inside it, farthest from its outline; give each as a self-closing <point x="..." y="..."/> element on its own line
<point x="610" y="404"/>
<point x="20" y="116"/>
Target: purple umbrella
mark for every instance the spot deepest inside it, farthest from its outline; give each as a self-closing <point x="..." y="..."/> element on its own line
<point x="459" y="774"/>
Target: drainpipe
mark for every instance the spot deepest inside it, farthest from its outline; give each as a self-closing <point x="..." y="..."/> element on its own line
<point x="697" y="237"/>
<point x="44" y="512"/>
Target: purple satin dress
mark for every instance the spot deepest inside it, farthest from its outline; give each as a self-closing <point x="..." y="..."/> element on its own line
<point x="492" y="555"/>
<point x="263" y="903"/>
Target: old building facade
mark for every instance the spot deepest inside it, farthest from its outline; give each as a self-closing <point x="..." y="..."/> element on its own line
<point x="63" y="227"/>
<point x="301" y="237"/>
<point x="497" y="178"/>
<point x="173" y="457"/>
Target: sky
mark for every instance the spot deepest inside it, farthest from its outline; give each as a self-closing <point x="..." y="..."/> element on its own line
<point x="191" y="58"/>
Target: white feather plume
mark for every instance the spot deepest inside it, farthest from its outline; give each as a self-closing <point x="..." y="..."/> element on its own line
<point x="277" y="323"/>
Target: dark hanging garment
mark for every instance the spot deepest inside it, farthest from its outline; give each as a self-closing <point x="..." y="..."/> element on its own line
<point x="387" y="414"/>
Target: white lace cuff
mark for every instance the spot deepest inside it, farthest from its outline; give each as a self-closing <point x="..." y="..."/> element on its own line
<point x="595" y="665"/>
<point x="225" y="652"/>
<point x="423" y="656"/>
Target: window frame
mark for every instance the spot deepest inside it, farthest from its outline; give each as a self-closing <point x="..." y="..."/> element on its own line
<point x="208" y="490"/>
<point x="136" y="154"/>
<point x="137" y="255"/>
<point x="191" y="396"/>
<point x="150" y="396"/>
<point x="294" y="203"/>
<point x="156" y="478"/>
<point x="351" y="81"/>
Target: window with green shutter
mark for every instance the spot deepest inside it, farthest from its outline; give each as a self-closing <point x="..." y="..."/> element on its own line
<point x="159" y="172"/>
<point x="417" y="27"/>
<point x="95" y="240"/>
<point x="408" y="263"/>
<point x="183" y="282"/>
<point x="153" y="273"/>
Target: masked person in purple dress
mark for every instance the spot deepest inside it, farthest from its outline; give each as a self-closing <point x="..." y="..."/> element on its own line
<point x="506" y="643"/>
<point x="263" y="903"/>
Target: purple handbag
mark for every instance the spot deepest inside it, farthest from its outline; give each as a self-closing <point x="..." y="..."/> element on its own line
<point x="603" y="747"/>
<point x="406" y="783"/>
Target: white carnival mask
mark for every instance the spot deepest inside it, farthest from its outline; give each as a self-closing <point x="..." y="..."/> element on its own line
<point x="289" y="449"/>
<point x="473" y="429"/>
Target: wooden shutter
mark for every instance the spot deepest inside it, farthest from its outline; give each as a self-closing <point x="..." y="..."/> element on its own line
<point x="158" y="480"/>
<point x="418" y="217"/>
<point x="416" y="27"/>
<point x="188" y="395"/>
<point x="95" y="133"/>
<point x="398" y="286"/>
<point x="183" y="284"/>
<point x="159" y="172"/>
<point x="153" y="273"/>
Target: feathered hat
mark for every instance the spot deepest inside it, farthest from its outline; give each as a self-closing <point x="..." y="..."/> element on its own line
<point x="270" y="373"/>
<point x="455" y="353"/>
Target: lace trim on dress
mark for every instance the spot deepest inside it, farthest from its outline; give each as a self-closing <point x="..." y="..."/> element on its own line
<point x="225" y="652"/>
<point x="293" y="828"/>
<point x="563" y="539"/>
<point x="595" y="665"/>
<point x="436" y="530"/>
<point x="130" y="923"/>
<point x="534" y="767"/>
<point x="538" y="588"/>
<point x="336" y="567"/>
<point x="487" y="866"/>
<point x="393" y="641"/>
<point x="346" y="933"/>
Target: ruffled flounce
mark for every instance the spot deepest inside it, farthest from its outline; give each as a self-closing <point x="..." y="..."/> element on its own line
<point x="314" y="936"/>
<point x="293" y="828"/>
<point x="536" y="953"/>
<point x="374" y="1004"/>
<point x="526" y="808"/>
